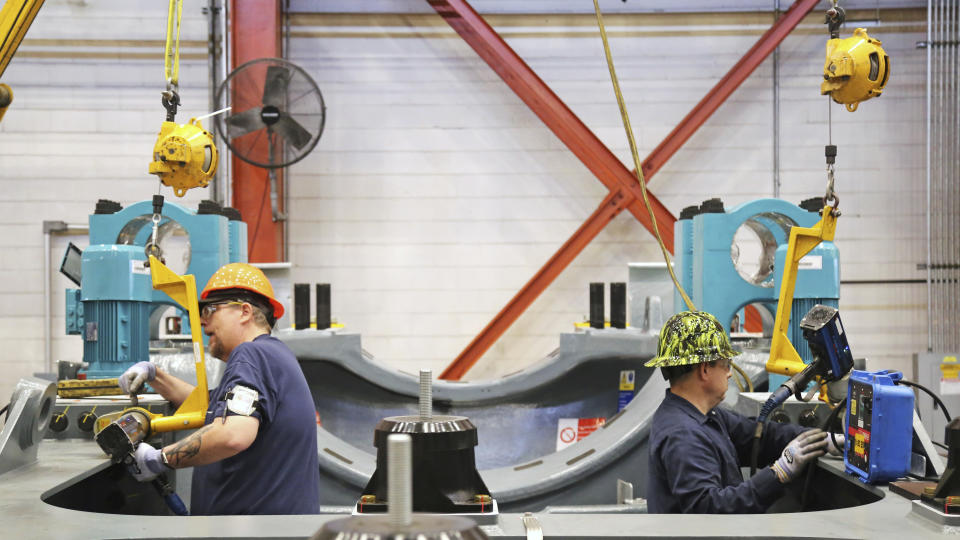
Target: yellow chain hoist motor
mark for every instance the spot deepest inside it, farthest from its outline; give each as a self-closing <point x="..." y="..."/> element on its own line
<point x="856" y="69"/>
<point x="184" y="156"/>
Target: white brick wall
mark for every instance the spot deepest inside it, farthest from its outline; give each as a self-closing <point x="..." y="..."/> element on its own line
<point x="81" y="127"/>
<point x="435" y="193"/>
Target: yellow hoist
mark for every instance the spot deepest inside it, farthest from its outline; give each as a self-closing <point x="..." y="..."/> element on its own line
<point x="856" y="68"/>
<point x="184" y="156"/>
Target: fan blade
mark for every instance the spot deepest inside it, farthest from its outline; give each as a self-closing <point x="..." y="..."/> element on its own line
<point x="275" y="86"/>
<point x="290" y="130"/>
<point x="239" y="125"/>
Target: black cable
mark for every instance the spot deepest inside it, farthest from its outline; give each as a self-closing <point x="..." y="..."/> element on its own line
<point x="831" y="418"/>
<point x="755" y="451"/>
<point x="936" y="399"/>
<point x="775" y="400"/>
<point x="941" y="445"/>
<point x="4" y="409"/>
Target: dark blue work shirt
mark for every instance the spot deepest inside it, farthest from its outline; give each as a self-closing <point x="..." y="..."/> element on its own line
<point x="695" y="461"/>
<point x="279" y="473"/>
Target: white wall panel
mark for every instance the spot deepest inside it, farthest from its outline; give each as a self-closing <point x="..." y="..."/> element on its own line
<point x="431" y="165"/>
<point x="85" y="115"/>
<point x="435" y="193"/>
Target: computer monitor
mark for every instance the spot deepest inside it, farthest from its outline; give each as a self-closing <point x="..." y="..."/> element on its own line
<point x="70" y="266"/>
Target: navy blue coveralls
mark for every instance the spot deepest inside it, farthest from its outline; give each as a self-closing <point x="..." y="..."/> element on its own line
<point x="695" y="461"/>
<point x="279" y="473"/>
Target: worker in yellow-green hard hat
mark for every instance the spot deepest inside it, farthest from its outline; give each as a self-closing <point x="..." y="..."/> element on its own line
<point x="698" y="447"/>
<point x="260" y="414"/>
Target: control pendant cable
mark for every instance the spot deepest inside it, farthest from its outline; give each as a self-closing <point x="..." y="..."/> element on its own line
<point x="643" y="185"/>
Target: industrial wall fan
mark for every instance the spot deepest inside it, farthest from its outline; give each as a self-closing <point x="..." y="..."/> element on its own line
<point x="276" y="117"/>
<point x="277" y="112"/>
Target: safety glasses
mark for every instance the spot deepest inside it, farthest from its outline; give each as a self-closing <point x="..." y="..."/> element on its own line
<point x="208" y="310"/>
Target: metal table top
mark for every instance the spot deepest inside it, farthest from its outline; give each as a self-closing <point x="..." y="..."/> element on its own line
<point x="24" y="515"/>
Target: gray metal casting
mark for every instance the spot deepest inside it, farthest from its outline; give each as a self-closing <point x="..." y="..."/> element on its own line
<point x="516" y="416"/>
<point x="28" y="415"/>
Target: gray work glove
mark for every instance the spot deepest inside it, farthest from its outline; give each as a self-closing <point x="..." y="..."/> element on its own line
<point x="807" y="447"/>
<point x="148" y="463"/>
<point x="136" y="375"/>
<point x="836" y="450"/>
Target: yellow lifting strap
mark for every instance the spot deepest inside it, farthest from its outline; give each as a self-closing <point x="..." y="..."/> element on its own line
<point x="636" y="156"/>
<point x="784" y="358"/>
<point x="183" y="290"/>
<point x="171" y="56"/>
<point x="621" y="103"/>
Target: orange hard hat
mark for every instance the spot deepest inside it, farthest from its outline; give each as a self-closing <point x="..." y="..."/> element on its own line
<point x="243" y="276"/>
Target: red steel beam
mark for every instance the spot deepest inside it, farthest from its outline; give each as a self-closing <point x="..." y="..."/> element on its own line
<point x="585" y="145"/>
<point x="551" y="110"/>
<point x="730" y="82"/>
<point x="612" y="205"/>
<point x="255" y="33"/>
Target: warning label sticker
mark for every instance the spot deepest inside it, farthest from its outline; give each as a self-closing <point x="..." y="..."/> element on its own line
<point x="571" y="430"/>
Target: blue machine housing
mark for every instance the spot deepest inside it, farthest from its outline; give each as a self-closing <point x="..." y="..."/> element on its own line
<point x="114" y="306"/>
<point x="879" y="426"/>
<point x="703" y="255"/>
<point x="818" y="282"/>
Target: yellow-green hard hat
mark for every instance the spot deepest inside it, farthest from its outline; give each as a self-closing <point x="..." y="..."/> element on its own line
<point x="691" y="337"/>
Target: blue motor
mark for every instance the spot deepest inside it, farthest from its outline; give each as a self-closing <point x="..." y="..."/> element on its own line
<point x="711" y="266"/>
<point x="112" y="309"/>
<point x="115" y="306"/>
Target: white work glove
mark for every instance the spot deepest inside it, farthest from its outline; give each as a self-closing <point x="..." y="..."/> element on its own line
<point x="148" y="463"/>
<point x="807" y="447"/>
<point x="836" y="450"/>
<point x="136" y="375"/>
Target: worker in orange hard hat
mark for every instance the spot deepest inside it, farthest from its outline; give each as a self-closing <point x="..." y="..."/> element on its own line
<point x="261" y="409"/>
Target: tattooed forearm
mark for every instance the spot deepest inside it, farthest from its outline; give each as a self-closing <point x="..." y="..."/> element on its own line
<point x="187" y="448"/>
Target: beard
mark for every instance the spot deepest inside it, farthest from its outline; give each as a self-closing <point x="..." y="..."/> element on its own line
<point x="216" y="348"/>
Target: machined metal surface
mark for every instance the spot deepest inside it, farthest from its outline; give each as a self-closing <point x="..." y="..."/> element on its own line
<point x="950" y="522"/>
<point x="63" y="464"/>
<point x="416" y="424"/>
<point x="421" y="527"/>
<point x="28" y="415"/>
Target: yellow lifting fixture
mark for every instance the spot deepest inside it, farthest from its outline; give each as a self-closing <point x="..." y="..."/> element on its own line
<point x="184" y="156"/>
<point x="192" y="412"/>
<point x="856" y="68"/>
